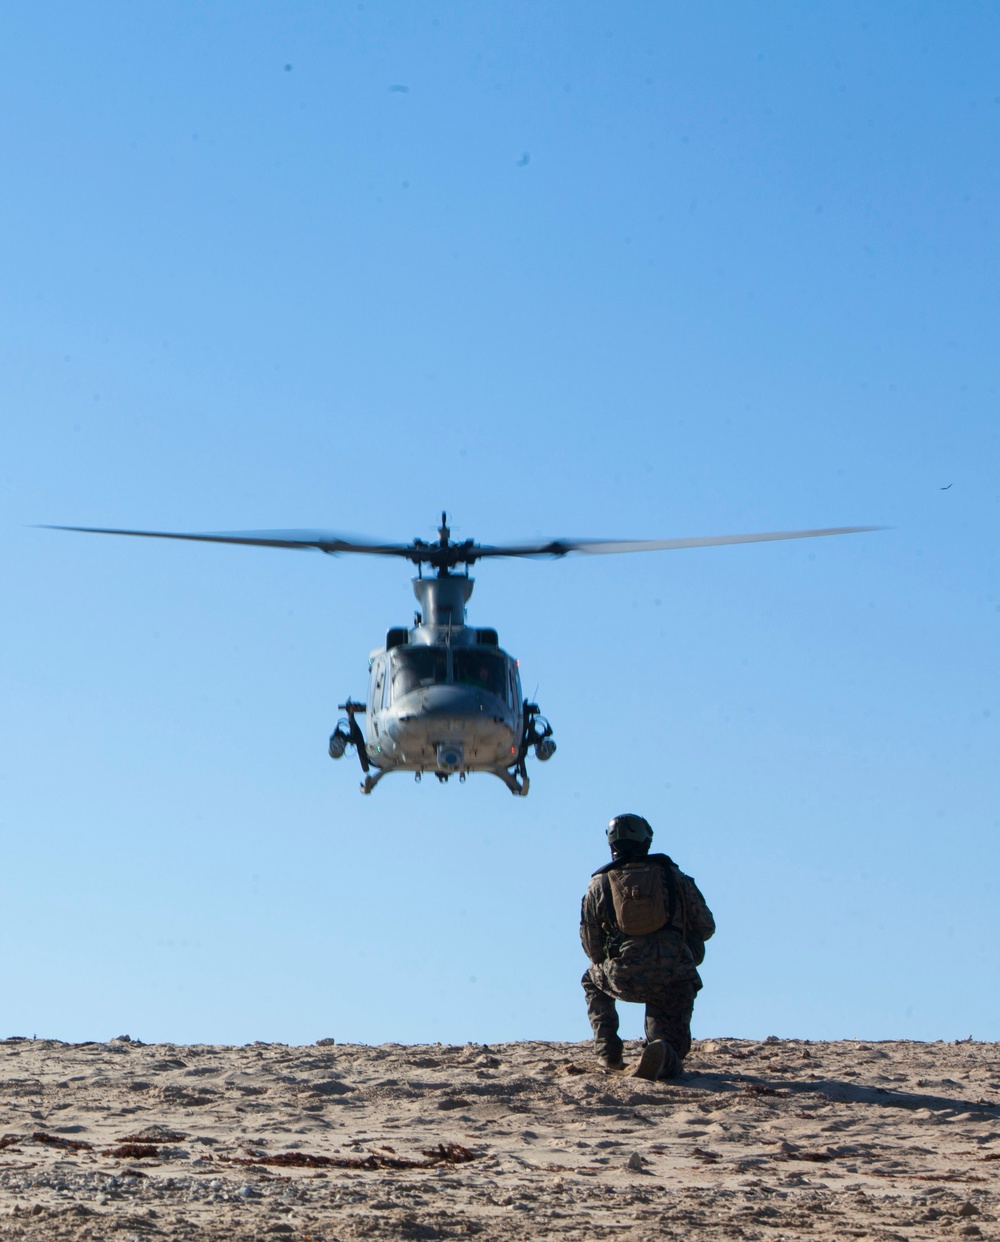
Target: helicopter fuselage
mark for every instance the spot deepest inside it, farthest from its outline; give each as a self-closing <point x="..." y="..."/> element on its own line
<point x="443" y="697"/>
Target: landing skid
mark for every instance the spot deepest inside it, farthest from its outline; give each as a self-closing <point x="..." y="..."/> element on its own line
<point x="517" y="787"/>
<point x="369" y="783"/>
<point x="510" y="778"/>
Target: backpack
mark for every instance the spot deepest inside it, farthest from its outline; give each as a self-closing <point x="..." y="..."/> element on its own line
<point x="637" y="891"/>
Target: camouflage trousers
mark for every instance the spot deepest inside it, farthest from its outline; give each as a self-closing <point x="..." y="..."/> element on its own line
<point x="668" y="1010"/>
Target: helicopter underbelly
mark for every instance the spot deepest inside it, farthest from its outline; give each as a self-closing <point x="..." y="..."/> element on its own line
<point x="477" y="727"/>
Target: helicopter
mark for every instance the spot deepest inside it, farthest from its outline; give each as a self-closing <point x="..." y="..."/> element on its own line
<point x="443" y="696"/>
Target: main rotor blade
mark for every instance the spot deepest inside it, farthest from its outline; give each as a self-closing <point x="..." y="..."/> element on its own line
<point x="452" y="555"/>
<point x="594" y="547"/>
<point x="323" y="541"/>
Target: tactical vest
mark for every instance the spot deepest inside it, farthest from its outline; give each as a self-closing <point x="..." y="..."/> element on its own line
<point x="637" y="891"/>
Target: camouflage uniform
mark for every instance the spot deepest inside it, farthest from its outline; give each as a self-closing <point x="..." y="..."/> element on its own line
<point x="658" y="970"/>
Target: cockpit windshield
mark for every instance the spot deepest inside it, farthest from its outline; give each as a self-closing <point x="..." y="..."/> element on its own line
<point x="413" y="667"/>
<point x="483" y="669"/>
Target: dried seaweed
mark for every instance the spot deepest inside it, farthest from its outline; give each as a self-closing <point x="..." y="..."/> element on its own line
<point x="444" y="1153"/>
<point x="760" y="1088"/>
<point x="932" y="1177"/>
<point x="132" y="1151"/>
<point x="817" y="1157"/>
<point x="54" y="1140"/>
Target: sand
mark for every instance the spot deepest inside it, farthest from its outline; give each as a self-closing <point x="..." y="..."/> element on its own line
<point x="780" y="1139"/>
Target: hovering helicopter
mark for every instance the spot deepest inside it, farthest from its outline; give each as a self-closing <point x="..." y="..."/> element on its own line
<point x="443" y="696"/>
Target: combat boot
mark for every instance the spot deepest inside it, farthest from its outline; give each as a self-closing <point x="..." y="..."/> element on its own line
<point x="652" y="1061"/>
<point x="671" y="1063"/>
<point x="609" y="1053"/>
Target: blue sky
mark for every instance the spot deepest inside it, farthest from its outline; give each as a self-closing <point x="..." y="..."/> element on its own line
<point x="623" y="271"/>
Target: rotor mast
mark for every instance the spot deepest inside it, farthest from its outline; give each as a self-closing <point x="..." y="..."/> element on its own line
<point x="443" y="598"/>
<point x="442" y="556"/>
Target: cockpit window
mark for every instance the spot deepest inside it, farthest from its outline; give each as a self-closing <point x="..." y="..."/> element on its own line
<point x="413" y="667"/>
<point x="484" y="669"/>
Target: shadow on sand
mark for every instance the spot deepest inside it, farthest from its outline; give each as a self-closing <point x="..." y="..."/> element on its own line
<point x="835" y="1090"/>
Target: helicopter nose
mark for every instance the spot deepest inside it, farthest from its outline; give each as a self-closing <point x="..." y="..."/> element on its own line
<point x="446" y="701"/>
<point x="452" y="728"/>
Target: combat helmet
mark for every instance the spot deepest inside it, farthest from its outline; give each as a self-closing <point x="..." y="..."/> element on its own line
<point x="629" y="828"/>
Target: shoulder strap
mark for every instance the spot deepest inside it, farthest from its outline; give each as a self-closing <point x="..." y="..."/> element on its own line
<point x="671" y="884"/>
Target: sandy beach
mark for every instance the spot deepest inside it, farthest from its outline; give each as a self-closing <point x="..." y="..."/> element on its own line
<point x="774" y="1139"/>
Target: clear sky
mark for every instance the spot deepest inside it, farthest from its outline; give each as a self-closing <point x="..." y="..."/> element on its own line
<point x="590" y="269"/>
